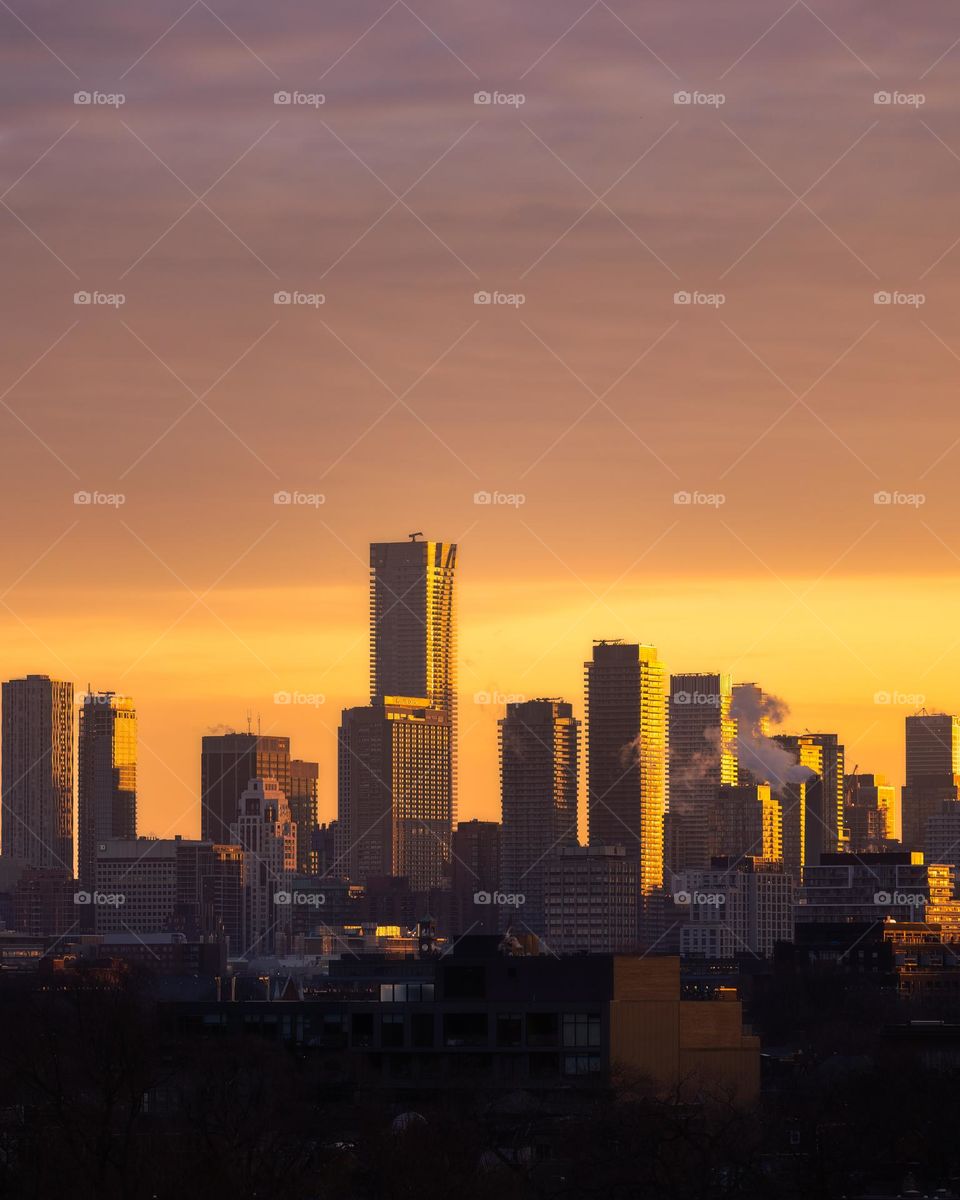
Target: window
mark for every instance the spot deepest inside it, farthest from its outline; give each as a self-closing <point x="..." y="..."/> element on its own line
<point x="581" y="1064"/>
<point x="465" y="1029"/>
<point x="361" y="1029"/>
<point x="541" y="1029"/>
<point x="391" y="1030"/>
<point x="581" y="1029"/>
<point x="421" y="1029"/>
<point x="509" y="1029"/>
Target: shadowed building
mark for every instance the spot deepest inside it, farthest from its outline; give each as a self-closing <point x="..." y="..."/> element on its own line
<point x="37" y="772"/>
<point x="538" y="796"/>
<point x="106" y="777"/>
<point x="932" y="771"/>
<point x="822" y="754"/>
<point x="228" y="761"/>
<point x="304" y="800"/>
<point x="590" y="900"/>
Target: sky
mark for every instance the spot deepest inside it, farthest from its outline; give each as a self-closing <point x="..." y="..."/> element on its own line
<point x="711" y="397"/>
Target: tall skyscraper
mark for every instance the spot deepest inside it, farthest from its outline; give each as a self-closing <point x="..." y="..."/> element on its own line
<point x="932" y="772"/>
<point x="413" y="629"/>
<point x="267" y="838"/>
<point x="106" y="777"/>
<point x="702" y="759"/>
<point x="749" y="824"/>
<point x="37" y="772"/>
<point x="823" y="756"/>
<point x="868" y="814"/>
<point x="228" y="761"/>
<point x="475" y="868"/>
<point x="538" y="795"/>
<point x="394" y="796"/>
<point x="627" y="780"/>
<point x="304" y="799"/>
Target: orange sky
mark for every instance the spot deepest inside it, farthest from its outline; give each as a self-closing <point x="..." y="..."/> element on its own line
<point x="597" y="399"/>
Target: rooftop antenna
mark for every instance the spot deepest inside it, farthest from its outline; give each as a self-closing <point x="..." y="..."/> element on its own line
<point x="413" y="536"/>
<point x="258" y="724"/>
<point x="249" y="721"/>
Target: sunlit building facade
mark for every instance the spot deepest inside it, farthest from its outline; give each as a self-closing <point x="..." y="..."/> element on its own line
<point x="267" y="838"/>
<point x="304" y="800"/>
<point x="106" y="776"/>
<point x="627" y="778"/>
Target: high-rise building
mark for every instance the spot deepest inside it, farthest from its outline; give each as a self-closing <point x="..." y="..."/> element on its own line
<point x="538" y="796"/>
<point x="941" y="841"/>
<point x="267" y="837"/>
<point x="932" y="771"/>
<point x="823" y="756"/>
<point x="163" y="885"/>
<point x="413" y="647"/>
<point x="702" y="759"/>
<point x="37" y="772"/>
<point x="736" y="907"/>
<point x="850" y="888"/>
<point x="394" y="795"/>
<point x="106" y="777"/>
<point x="590" y="897"/>
<point x="304" y="799"/>
<point x="749" y="824"/>
<point x="868" y="815"/>
<point x="627" y="781"/>
<point x="228" y="761"/>
<point x="475" y="868"/>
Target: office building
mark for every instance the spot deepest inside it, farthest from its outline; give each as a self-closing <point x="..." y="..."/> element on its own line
<point x="475" y="873"/>
<point x="538" y="796"/>
<point x="37" y="772"/>
<point x="702" y="736"/>
<point x="304" y="800"/>
<point x="267" y="836"/>
<point x="854" y="888"/>
<point x="627" y="778"/>
<point x="869" y="814"/>
<point x="228" y="761"/>
<point x="749" y="823"/>
<point x="823" y="756"/>
<point x="106" y="777"/>
<point x="394" y="795"/>
<point x="742" y="906"/>
<point x="590" y="899"/>
<point x="932" y="771"/>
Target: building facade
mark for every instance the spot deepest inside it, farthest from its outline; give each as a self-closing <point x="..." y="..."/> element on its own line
<point x="304" y="800"/>
<point x="106" y="777"/>
<point x="267" y="837"/>
<point x="228" y="761"/>
<point x="590" y="900"/>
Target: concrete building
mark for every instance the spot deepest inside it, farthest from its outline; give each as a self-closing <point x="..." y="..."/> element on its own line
<point x="475" y="872"/>
<point x="267" y="836"/>
<point x="627" y="776"/>
<point x="590" y="900"/>
<point x="228" y="761"/>
<point x="932" y="771"/>
<point x="871" y="887"/>
<point x="869" y="814"/>
<point x="737" y="907"/>
<point x="36" y="778"/>
<point x="538" y="795"/>
<point x="106" y="777"/>
<point x="394" y="795"/>
<point x="749" y="823"/>
<point x="824" y="793"/>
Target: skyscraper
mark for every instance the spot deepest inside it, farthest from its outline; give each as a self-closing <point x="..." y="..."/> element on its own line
<point x="228" y="761"/>
<point x="538" y="795"/>
<point x="822" y="754"/>
<point x="106" y="777"/>
<point x="932" y="772"/>
<point x="304" y="802"/>
<point x="627" y="783"/>
<point x="413" y="629"/>
<point x="394" y="797"/>
<point x="267" y="838"/>
<point x="37" y="772"/>
<point x="868" y="814"/>
<point x="702" y="759"/>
